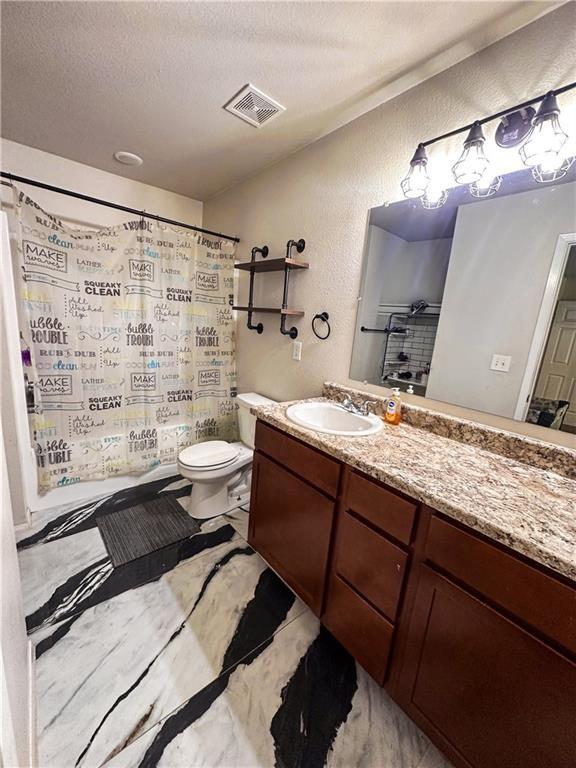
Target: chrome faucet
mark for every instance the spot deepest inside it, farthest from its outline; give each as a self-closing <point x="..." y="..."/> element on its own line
<point x="362" y="410"/>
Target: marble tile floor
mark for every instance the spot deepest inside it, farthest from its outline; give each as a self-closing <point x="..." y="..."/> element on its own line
<point x="65" y="567"/>
<point x="55" y="524"/>
<point x="210" y="661"/>
<point x="123" y="665"/>
<point x="297" y="701"/>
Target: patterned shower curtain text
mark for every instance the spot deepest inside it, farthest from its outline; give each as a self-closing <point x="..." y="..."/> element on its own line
<point x="131" y="335"/>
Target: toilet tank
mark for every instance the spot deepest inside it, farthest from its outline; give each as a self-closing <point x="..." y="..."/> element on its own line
<point x="246" y="421"/>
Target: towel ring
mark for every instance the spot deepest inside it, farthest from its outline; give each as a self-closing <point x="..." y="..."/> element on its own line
<point x="323" y="316"/>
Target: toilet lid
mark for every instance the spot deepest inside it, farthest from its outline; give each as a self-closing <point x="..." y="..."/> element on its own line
<point x="212" y="453"/>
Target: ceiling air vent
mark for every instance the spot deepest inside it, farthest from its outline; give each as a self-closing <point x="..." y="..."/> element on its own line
<point x="253" y="106"/>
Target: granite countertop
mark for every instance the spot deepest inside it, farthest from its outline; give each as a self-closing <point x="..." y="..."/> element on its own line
<point x="531" y="510"/>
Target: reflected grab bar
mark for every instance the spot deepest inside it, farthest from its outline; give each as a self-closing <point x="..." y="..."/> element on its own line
<point x="401" y="331"/>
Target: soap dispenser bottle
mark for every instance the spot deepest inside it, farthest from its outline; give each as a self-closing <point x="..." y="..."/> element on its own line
<point x="394" y="407"/>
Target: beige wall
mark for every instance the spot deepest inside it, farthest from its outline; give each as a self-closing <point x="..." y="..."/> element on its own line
<point x="324" y="191"/>
<point x="58" y="171"/>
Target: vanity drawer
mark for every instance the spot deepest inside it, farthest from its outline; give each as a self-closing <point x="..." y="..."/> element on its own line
<point x="370" y="563"/>
<point x="382" y="508"/>
<point x="532" y="596"/>
<point x="306" y="462"/>
<point x="359" y="627"/>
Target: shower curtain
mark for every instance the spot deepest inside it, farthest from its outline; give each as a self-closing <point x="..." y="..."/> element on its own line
<point x="130" y="335"/>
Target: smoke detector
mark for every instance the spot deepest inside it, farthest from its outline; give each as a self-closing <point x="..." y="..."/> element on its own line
<point x="253" y="106"/>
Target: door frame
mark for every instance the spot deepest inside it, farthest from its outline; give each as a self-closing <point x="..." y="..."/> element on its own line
<point x="24" y="458"/>
<point x="543" y="323"/>
<point x="17" y="651"/>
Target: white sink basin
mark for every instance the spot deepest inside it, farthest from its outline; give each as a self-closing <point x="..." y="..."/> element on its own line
<point x="333" y="419"/>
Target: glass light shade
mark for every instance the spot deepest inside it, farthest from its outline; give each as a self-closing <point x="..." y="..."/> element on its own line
<point x="472" y="164"/>
<point x="416" y="182"/>
<point x="544" y="145"/>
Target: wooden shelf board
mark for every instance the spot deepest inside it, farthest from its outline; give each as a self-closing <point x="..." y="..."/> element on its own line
<point x="271" y="265"/>
<point x="274" y="310"/>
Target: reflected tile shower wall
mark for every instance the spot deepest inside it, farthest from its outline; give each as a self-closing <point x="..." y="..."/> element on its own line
<point x="417" y="343"/>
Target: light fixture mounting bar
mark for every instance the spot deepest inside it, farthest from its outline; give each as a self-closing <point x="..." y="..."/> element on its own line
<point x="502" y="113"/>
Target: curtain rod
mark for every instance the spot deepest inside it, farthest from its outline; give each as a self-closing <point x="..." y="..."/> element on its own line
<point x="108" y="204"/>
<point x="502" y="113"/>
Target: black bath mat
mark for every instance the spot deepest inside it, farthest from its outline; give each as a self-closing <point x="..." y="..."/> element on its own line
<point x="144" y="528"/>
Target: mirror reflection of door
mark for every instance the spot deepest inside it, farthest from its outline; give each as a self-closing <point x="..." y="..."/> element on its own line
<point x="553" y="402"/>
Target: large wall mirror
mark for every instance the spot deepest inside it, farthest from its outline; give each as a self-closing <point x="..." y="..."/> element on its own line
<point x="474" y="303"/>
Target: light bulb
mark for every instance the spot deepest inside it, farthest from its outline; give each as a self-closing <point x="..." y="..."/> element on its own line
<point x="435" y="195"/>
<point x="487" y="185"/>
<point x="472" y="163"/>
<point x="551" y="160"/>
<point x="544" y="146"/>
<point x="417" y="180"/>
<point x="546" y="175"/>
<point x="485" y="180"/>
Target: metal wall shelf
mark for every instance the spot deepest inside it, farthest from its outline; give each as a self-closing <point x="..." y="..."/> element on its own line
<point x="285" y="265"/>
<point x="274" y="310"/>
<point x="274" y="265"/>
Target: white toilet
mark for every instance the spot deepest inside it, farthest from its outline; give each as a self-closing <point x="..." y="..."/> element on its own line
<point x="221" y="472"/>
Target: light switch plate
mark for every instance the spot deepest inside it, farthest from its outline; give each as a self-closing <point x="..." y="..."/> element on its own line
<point x="500" y="363"/>
<point x="296" y="350"/>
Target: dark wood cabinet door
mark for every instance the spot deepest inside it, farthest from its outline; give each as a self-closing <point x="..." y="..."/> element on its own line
<point x="487" y="691"/>
<point x="291" y="526"/>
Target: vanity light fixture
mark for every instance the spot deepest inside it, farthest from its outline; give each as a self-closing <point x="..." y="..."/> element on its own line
<point x="473" y="163"/>
<point x="540" y="134"/>
<point x="547" y="139"/>
<point x="514" y="128"/>
<point x="417" y="180"/>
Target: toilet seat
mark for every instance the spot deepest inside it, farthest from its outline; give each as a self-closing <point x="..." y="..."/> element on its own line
<point x="213" y="454"/>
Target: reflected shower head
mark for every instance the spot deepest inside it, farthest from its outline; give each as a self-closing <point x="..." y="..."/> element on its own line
<point x="417" y="307"/>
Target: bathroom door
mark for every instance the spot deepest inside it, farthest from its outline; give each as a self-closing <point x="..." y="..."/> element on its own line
<point x="557" y="377"/>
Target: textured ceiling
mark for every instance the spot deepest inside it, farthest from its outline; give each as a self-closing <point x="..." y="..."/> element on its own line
<point x="84" y="79"/>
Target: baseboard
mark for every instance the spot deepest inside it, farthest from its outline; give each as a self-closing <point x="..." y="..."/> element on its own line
<point x="25" y="525"/>
<point x="33" y="741"/>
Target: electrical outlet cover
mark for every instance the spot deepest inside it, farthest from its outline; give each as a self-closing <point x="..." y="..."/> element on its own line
<point x="500" y="363"/>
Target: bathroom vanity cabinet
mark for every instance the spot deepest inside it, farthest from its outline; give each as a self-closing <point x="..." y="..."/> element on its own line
<point x="474" y="641"/>
<point x="293" y="500"/>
